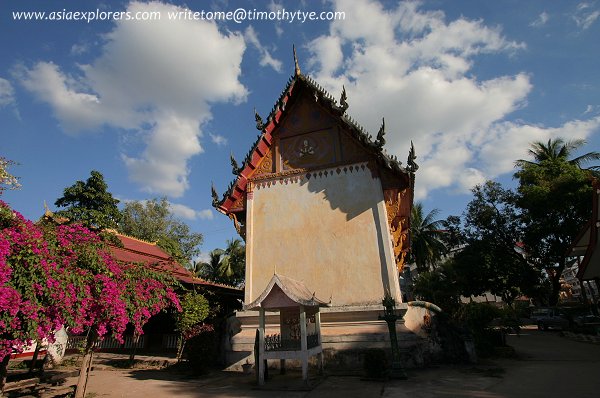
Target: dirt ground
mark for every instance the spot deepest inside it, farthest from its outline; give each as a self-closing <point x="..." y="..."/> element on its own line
<point x="548" y="366"/>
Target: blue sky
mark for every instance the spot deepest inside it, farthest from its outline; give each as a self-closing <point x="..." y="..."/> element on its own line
<point x="158" y="106"/>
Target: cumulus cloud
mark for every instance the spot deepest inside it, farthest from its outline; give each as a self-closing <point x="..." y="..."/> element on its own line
<point x="148" y="79"/>
<point x="7" y="93"/>
<point x="188" y="213"/>
<point x="415" y="68"/>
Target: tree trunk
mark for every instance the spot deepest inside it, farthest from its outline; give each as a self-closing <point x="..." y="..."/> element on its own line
<point x="36" y="353"/>
<point x="3" y="373"/>
<point x="180" y="348"/>
<point x="135" y="341"/>
<point x="86" y="364"/>
<point x="555" y="279"/>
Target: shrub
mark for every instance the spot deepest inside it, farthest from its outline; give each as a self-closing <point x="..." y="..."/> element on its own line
<point x="202" y="350"/>
<point x="477" y="317"/>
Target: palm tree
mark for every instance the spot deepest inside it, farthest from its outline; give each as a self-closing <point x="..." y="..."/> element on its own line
<point x="233" y="264"/>
<point x="559" y="149"/>
<point x="427" y="246"/>
<point x="210" y="269"/>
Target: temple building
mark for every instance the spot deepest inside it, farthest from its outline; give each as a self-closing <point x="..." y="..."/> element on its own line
<point x="320" y="202"/>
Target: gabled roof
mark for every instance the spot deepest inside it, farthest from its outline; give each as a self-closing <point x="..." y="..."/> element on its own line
<point x="262" y="145"/>
<point x="139" y="251"/>
<point x="295" y="293"/>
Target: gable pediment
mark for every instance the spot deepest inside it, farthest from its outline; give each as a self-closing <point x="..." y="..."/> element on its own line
<point x="307" y="131"/>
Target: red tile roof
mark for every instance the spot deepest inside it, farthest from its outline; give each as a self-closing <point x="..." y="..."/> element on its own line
<point x="139" y="251"/>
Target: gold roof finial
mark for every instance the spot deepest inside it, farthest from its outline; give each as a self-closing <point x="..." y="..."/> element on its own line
<point x="47" y="211"/>
<point x="296" y="66"/>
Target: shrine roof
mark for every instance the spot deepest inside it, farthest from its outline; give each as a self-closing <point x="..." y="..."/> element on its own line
<point x="264" y="140"/>
<point x="295" y="290"/>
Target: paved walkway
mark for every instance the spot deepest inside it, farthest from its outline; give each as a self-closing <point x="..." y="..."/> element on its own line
<point x="549" y="366"/>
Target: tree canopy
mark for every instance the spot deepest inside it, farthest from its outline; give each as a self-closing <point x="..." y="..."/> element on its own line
<point x="7" y="180"/>
<point x="514" y="240"/>
<point x="90" y="203"/>
<point x="154" y="221"/>
<point x="426" y="234"/>
<point x="554" y="195"/>
<point x="53" y="275"/>
<point x="226" y="266"/>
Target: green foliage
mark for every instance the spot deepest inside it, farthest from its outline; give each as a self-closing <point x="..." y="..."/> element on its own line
<point x="154" y="221"/>
<point x="484" y="266"/>
<point x="512" y="240"/>
<point x="7" y="180"/>
<point x="209" y="270"/>
<point x="477" y="318"/>
<point x="225" y="266"/>
<point x="202" y="351"/>
<point x="233" y="264"/>
<point x="90" y="203"/>
<point x="439" y="286"/>
<point x="427" y="243"/>
<point x="195" y="308"/>
<point x="554" y="194"/>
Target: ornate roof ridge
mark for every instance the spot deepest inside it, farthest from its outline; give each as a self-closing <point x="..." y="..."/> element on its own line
<point x="115" y="232"/>
<point x="217" y="284"/>
<point x="390" y="162"/>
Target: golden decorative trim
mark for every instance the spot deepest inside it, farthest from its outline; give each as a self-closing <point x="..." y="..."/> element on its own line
<point x="398" y="223"/>
<point x="297" y="172"/>
<point x="115" y="232"/>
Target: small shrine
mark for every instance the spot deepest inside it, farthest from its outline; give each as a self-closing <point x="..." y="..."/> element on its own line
<point x="299" y="334"/>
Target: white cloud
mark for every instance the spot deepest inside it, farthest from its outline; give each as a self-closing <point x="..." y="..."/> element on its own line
<point x="540" y="20"/>
<point x="218" y="139"/>
<point x="7" y="93"/>
<point x="508" y="141"/>
<point x="206" y="214"/>
<point x="150" y="80"/>
<point x="266" y="59"/>
<point x="79" y="48"/>
<point x="591" y="109"/>
<point x="188" y="213"/>
<point x="414" y="68"/>
<point x="274" y="7"/>
<point x="585" y="15"/>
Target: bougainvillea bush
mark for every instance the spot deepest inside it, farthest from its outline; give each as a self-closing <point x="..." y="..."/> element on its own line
<point x="53" y="275"/>
<point x="29" y="307"/>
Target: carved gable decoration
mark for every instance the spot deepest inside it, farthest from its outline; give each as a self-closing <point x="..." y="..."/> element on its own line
<point x="306" y="151"/>
<point x="308" y="132"/>
<point x="304" y="115"/>
<point x="266" y="165"/>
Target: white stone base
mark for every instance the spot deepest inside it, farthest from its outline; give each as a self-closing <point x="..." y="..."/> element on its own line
<point x="346" y="333"/>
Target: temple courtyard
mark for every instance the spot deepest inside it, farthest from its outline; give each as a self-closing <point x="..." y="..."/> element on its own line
<point x="546" y="365"/>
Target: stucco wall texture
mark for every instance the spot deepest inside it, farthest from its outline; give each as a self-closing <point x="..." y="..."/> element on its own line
<point x="328" y="230"/>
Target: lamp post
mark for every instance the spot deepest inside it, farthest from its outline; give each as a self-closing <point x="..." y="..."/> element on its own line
<point x="397" y="371"/>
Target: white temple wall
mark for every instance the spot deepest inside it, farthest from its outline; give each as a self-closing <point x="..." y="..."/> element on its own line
<point x="327" y="229"/>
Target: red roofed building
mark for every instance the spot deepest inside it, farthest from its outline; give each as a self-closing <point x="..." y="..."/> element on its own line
<point x="159" y="331"/>
<point x="139" y="251"/>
